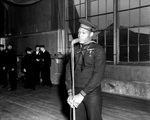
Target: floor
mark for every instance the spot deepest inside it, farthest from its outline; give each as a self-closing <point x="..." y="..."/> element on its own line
<point x="47" y="103"/>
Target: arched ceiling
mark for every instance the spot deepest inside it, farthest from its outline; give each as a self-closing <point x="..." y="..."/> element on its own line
<point x="21" y="2"/>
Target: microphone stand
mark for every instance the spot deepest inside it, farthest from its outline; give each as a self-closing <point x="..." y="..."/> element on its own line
<point x="72" y="71"/>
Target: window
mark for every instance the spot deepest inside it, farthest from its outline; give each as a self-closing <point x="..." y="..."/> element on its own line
<point x="133" y="26"/>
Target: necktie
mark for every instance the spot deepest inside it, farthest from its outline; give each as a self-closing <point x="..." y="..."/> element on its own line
<point x="81" y="57"/>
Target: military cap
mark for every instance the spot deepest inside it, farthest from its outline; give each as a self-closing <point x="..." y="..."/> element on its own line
<point x="87" y="25"/>
<point x="42" y="46"/>
<point x="37" y="46"/>
<point x="28" y="49"/>
<point x="9" y="44"/>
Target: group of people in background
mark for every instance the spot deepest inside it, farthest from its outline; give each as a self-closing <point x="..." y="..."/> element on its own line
<point x="35" y="66"/>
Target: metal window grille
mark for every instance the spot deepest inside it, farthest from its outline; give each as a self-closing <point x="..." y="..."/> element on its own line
<point x="133" y="23"/>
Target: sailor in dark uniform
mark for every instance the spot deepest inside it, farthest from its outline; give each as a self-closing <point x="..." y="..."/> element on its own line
<point x="37" y="58"/>
<point x="45" y="64"/>
<point x="29" y="68"/>
<point x="11" y="66"/>
<point x="89" y="71"/>
<point x="3" y="74"/>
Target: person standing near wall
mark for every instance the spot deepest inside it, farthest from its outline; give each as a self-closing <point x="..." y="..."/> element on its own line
<point x="45" y="64"/>
<point x="3" y="74"/>
<point x="28" y="65"/>
<point x="88" y="74"/>
<point x="11" y="66"/>
<point x="37" y="58"/>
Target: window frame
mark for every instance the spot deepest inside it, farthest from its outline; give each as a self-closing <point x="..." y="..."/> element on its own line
<point x="119" y="28"/>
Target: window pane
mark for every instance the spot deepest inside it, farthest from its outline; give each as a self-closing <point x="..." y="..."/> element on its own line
<point x="101" y="38"/>
<point x="145" y="16"/>
<point x="70" y="3"/>
<point x="109" y="5"/>
<point x="109" y="20"/>
<point x="77" y="11"/>
<point x="75" y="1"/>
<point x="123" y="36"/>
<point x="124" y="4"/>
<point x="102" y="6"/>
<point x="94" y="8"/>
<point x="67" y="14"/>
<point x="144" y="35"/>
<point x="77" y="24"/>
<point x="67" y="26"/>
<point x="133" y="36"/>
<point x="71" y="26"/>
<point x="144" y="52"/>
<point x="134" y="17"/>
<point x="145" y="2"/>
<point x="134" y="3"/>
<point x="83" y="10"/>
<point x="124" y="18"/>
<point x="102" y="22"/>
<point x="109" y="53"/>
<point x="70" y="13"/>
<point x="94" y="20"/>
<point x="82" y="1"/>
<point x="123" y="53"/>
<point x="109" y="37"/>
<point x="133" y="53"/>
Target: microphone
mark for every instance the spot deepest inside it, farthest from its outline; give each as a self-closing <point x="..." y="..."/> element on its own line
<point x="74" y="41"/>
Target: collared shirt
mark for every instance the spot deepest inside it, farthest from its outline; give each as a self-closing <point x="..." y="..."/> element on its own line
<point x="90" y="76"/>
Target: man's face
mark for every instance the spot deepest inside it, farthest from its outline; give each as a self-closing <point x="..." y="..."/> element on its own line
<point x="9" y="47"/>
<point x="29" y="52"/>
<point x="42" y="48"/>
<point x="84" y="35"/>
<point x="37" y="48"/>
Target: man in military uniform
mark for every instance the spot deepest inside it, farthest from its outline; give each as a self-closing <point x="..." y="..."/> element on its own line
<point x="3" y="74"/>
<point x="11" y="66"/>
<point x="45" y="64"/>
<point x="37" y="58"/>
<point x="88" y="72"/>
<point x="28" y="65"/>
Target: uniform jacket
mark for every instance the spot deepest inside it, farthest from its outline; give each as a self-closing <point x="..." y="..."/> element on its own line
<point x="90" y="70"/>
<point x="45" y="60"/>
<point x="29" y="63"/>
<point x="11" y="59"/>
<point x="37" y="57"/>
<point x="2" y="59"/>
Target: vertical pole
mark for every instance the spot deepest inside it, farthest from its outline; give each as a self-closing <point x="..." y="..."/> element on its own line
<point x="115" y="6"/>
<point x="117" y="27"/>
<point x="86" y="9"/>
<point x="72" y="70"/>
